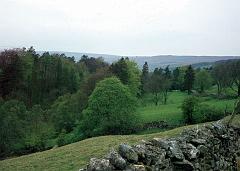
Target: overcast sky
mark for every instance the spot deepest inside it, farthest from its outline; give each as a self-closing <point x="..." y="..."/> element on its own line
<point x="123" y="27"/>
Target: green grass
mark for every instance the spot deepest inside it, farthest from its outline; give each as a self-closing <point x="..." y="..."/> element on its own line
<point x="171" y="112"/>
<point x="76" y="155"/>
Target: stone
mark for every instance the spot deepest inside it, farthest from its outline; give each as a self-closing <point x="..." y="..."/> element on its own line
<point x="183" y="165"/>
<point x="209" y="147"/>
<point x="116" y="160"/>
<point x="160" y="143"/>
<point x="190" y="151"/>
<point x="175" y="151"/>
<point x="128" y="152"/>
<point x="99" y="165"/>
<point x="198" y="142"/>
<point x="136" y="167"/>
<point x="202" y="149"/>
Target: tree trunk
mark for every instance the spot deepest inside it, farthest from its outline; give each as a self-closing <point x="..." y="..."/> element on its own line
<point x="156" y="99"/>
<point x="165" y="97"/>
<point x="202" y="89"/>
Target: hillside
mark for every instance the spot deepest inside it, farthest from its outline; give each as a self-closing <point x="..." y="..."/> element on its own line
<point x="76" y="155"/>
<point x="156" y="61"/>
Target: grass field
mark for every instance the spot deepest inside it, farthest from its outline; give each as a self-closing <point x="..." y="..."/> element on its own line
<point x="171" y="112"/>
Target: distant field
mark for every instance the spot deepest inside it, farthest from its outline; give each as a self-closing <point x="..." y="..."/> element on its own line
<point x="171" y="112"/>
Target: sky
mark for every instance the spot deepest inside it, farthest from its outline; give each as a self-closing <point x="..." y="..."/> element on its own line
<point x="123" y="27"/>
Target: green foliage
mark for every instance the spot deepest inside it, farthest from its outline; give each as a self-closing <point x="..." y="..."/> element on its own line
<point x="12" y="114"/>
<point x="159" y="84"/>
<point x="222" y="77"/>
<point x="38" y="130"/>
<point x="144" y="78"/>
<point x="207" y="113"/>
<point x="120" y="69"/>
<point x="111" y="109"/>
<point x="134" y="77"/>
<point x="189" y="107"/>
<point x="189" y="78"/>
<point x="66" y="111"/>
<point x="203" y="80"/>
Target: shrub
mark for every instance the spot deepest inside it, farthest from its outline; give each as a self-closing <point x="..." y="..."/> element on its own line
<point x="206" y="113"/>
<point x="189" y="107"/>
<point x="111" y="109"/>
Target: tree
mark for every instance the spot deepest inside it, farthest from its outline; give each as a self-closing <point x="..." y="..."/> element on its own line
<point x="66" y="111"/>
<point x="120" y="69"/>
<point x="222" y="76"/>
<point x="175" y="79"/>
<point x="154" y="86"/>
<point x="11" y="72"/>
<point x="111" y="109"/>
<point x="12" y="114"/>
<point x="144" y="78"/>
<point x="203" y="80"/>
<point x="159" y="85"/>
<point x="235" y="74"/>
<point x="167" y="73"/>
<point x="189" y="78"/>
<point x="93" y="63"/>
<point x="134" y="77"/>
<point x="189" y="106"/>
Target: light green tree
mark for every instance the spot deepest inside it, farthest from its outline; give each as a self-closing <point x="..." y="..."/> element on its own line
<point x="111" y="109"/>
<point x="203" y="81"/>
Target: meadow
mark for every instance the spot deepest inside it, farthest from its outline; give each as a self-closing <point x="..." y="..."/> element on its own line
<point x="171" y="112"/>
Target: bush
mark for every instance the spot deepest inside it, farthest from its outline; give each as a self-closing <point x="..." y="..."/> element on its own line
<point x="206" y="113"/>
<point x="111" y="109"/>
<point x="189" y="107"/>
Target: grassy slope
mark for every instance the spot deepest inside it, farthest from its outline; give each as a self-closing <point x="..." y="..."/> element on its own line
<point x="76" y="155"/>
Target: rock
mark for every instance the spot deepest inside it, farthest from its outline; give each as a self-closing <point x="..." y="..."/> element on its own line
<point x="128" y="152"/>
<point x="190" y="151"/>
<point x="183" y="165"/>
<point x="202" y="149"/>
<point x="162" y="164"/>
<point x="198" y="142"/>
<point x="117" y="161"/>
<point x="136" y="168"/>
<point x="175" y="151"/>
<point x="140" y="149"/>
<point x="160" y="143"/>
<point x="99" y="165"/>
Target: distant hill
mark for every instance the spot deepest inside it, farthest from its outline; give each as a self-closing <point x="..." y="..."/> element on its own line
<point x="157" y="61"/>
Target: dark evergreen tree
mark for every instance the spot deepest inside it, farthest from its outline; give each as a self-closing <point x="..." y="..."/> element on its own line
<point x="120" y="69"/>
<point x="189" y="78"/>
<point x="144" y="78"/>
<point x="175" y="80"/>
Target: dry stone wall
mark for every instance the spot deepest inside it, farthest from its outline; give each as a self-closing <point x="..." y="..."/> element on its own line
<point x="211" y="147"/>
